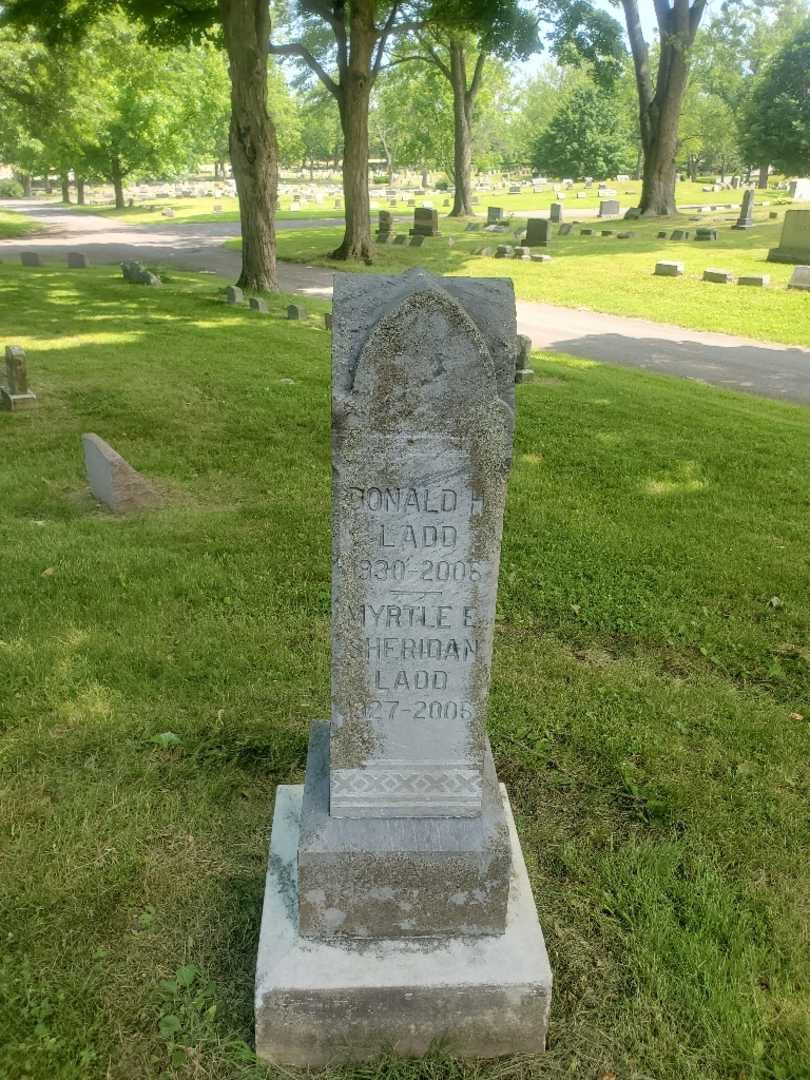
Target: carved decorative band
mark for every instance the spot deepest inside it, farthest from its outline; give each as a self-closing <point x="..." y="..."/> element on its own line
<point x="415" y="785"/>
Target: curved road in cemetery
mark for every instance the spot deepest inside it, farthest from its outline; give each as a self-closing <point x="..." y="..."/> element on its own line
<point x="755" y="367"/>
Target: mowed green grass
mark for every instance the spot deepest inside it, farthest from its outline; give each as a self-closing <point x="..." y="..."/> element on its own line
<point x="611" y="275"/>
<point x="13" y="224"/>
<point x="649" y="713"/>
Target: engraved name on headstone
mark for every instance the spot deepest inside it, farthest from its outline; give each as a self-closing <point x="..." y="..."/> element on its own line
<point x="422" y="430"/>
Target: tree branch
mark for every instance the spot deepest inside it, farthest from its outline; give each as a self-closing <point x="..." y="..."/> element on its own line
<point x="641" y="56"/>
<point x="302" y="53"/>
<point x="383" y="40"/>
<point x="695" y="15"/>
<point x="437" y="60"/>
<point x="478" y="72"/>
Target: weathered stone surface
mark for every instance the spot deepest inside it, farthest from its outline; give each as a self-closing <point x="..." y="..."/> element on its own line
<point x="494" y="215"/>
<point x="423" y="385"/>
<point x="609" y="208"/>
<point x="257" y="304"/>
<point x="421" y="877"/>
<point x="586" y="232"/>
<point x="76" y="260"/>
<point x="564" y="230"/>
<point x="800" y="278"/>
<point x="705" y="234"/>
<point x="746" y="218"/>
<point x="326" y="1001"/>
<point x="721" y="277"/>
<point x="522" y="252"/>
<point x="295" y="311"/>
<point x="504" y="251"/>
<point x="758" y="280"/>
<point x="662" y="234"/>
<point x="425" y="222"/>
<point x="669" y="269"/>
<point x="16" y="393"/>
<point x="794" y="244"/>
<point x="234" y="295"/>
<point x="680" y="234"/>
<point x="606" y="232"/>
<point x="538" y="232"/>
<point x="556" y="213"/>
<point x="113" y="481"/>
<point x="30" y="258"/>
<point x="135" y="274"/>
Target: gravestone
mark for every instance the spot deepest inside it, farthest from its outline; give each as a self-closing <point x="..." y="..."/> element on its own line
<point x="540" y="258"/>
<point x="586" y="232"/>
<point x="295" y="311"/>
<point x="706" y="234"/>
<point x="680" y="234"/>
<point x="800" y="278"/>
<point x="606" y="232"/>
<point x="669" y="269"/>
<point x="504" y="251"/>
<point x="721" y="277"/>
<point x="76" y="260"/>
<point x="625" y="235"/>
<point x="608" y="208"/>
<point x="761" y="281"/>
<point x="257" y="304"/>
<point x="556" y="213"/>
<point x="135" y="274"/>
<point x="416" y="240"/>
<point x="234" y="295"/>
<point x="487" y="252"/>
<point x="397" y="910"/>
<point x="113" y="481"/>
<point x="30" y="258"/>
<point x="662" y="234"/>
<point x="167" y="212"/>
<point x="564" y="229"/>
<point x="799" y="190"/>
<point x="16" y="393"/>
<point x="401" y="239"/>
<point x="794" y="244"/>
<point x="385" y="224"/>
<point x="522" y="252"/>
<point x="472" y="226"/>
<point x="494" y="215"/>
<point x="538" y="232"/>
<point x="524" y="372"/>
<point x="746" y="218"/>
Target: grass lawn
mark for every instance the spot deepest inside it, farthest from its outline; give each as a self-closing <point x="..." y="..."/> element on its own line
<point x="607" y="274"/>
<point x="650" y="706"/>
<point x="189" y="211"/>
<point x="13" y="224"/>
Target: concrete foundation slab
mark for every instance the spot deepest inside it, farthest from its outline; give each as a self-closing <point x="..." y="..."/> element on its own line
<point x="322" y="1002"/>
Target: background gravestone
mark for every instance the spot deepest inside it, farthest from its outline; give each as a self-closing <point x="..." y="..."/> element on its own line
<point x="794" y="244"/>
<point x="425" y="222"/>
<point x="746" y="218"/>
<point x="608" y="208"/>
<point x="401" y="837"/>
<point x="538" y="232"/>
<point x="556" y="213"/>
<point x="16" y="394"/>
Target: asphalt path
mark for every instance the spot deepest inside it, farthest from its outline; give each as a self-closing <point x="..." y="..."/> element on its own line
<point x="754" y="367"/>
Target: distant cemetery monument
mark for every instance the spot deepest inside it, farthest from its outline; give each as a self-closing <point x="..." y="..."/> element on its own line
<point x="398" y="913"/>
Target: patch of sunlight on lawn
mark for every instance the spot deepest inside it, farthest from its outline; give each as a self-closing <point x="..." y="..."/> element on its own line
<point x="97" y="338"/>
<point x="683" y="480"/>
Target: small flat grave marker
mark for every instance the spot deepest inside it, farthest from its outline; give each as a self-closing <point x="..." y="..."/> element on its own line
<point x="720" y="277"/>
<point x="113" y="481"/>
<point x="76" y="260"/>
<point x="669" y="269"/>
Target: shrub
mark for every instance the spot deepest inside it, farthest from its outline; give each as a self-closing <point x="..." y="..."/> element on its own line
<point x="10" y="189"/>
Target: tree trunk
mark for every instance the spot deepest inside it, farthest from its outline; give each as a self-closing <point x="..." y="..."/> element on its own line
<point x="25" y="180"/>
<point x="117" y="183"/>
<point x="64" y="182"/>
<point x="79" y="191"/>
<point x="254" y="151"/>
<point x="462" y="133"/>
<point x="48" y="185"/>
<point x="762" y="182"/>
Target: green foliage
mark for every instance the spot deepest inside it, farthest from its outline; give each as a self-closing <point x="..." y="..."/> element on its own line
<point x="585" y="137"/>
<point x="778" y="117"/>
<point x="10" y="189"/>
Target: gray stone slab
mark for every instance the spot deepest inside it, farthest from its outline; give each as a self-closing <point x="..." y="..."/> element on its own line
<point x="609" y="208"/>
<point x="556" y="213"/>
<point x="77" y="260"/>
<point x="322" y="1002"/>
<point x="669" y="269"/>
<point x="757" y="280"/>
<point x="745" y="220"/>
<point x="800" y="278"/>
<point x="113" y="481"/>
<point x="234" y="295"/>
<point x="399" y="877"/>
<point x="721" y="277"/>
<point x="30" y="258"/>
<point x="538" y="232"/>
<point x="423" y="408"/>
<point x="257" y="304"/>
<point x="295" y="311"/>
<point x="794" y="243"/>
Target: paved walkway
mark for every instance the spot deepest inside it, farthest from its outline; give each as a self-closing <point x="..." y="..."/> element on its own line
<point x="770" y="370"/>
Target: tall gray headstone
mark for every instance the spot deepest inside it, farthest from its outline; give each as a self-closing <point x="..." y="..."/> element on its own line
<point x="538" y="232"/>
<point x="556" y="213"/>
<point x="402" y="835"/>
<point x="746" y="218"/>
<point x="16" y="394"/>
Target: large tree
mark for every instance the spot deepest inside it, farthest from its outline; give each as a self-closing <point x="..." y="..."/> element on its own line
<point x="586" y="136"/>
<point x="245" y="30"/>
<point x="660" y="97"/>
<point x="344" y="45"/>
<point x="778" y="127"/>
<point x="458" y="39"/>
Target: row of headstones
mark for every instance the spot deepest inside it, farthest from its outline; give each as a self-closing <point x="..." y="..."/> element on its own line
<point x="76" y="260"/>
<point x="800" y="279"/>
<point x="295" y="312"/>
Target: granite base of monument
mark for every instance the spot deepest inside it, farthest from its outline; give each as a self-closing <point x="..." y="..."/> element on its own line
<point x="326" y="1001"/>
